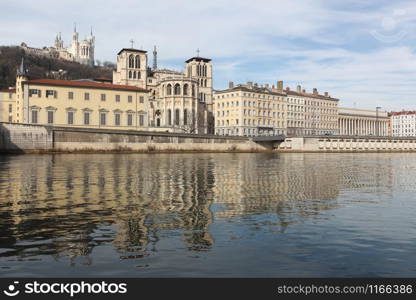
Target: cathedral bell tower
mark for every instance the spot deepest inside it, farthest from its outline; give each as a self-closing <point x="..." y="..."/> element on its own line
<point x="131" y="68"/>
<point x="21" y="112"/>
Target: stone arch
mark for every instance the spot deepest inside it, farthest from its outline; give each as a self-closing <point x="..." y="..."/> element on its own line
<point x="169" y="117"/>
<point x="177" y="116"/>
<point x="185" y="117"/>
<point x="169" y="89"/>
<point x="185" y="89"/>
<point x="177" y="89"/>
<point x="137" y="62"/>
<point x="131" y="61"/>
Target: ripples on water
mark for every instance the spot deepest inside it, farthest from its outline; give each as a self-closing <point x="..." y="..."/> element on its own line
<point x="210" y="215"/>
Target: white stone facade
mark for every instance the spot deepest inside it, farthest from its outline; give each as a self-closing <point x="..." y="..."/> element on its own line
<point x="179" y="101"/>
<point x="362" y="122"/>
<point x="403" y="123"/>
<point x="81" y="51"/>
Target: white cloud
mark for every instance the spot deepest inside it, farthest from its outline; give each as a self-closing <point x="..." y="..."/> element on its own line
<point x="318" y="43"/>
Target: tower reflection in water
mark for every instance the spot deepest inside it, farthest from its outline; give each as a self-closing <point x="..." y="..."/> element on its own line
<point x="66" y="205"/>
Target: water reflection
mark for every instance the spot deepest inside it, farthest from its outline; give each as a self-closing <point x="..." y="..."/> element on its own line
<point x="67" y="205"/>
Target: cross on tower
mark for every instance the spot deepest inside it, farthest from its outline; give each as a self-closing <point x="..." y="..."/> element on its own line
<point x="197" y="52"/>
<point x="132" y="43"/>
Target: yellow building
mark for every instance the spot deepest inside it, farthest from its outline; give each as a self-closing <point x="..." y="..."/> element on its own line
<point x="7" y="104"/>
<point x="249" y="110"/>
<point x="79" y="103"/>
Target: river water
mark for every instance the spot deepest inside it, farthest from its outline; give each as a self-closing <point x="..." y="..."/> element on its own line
<point x="208" y="215"/>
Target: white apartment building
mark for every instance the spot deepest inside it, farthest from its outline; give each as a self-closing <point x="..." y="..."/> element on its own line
<point x="403" y="123"/>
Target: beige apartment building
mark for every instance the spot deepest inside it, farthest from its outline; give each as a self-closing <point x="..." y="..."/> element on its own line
<point x="249" y="110"/>
<point x="310" y="113"/>
<point x="254" y="110"/>
<point x="7" y="104"/>
<point x="363" y="122"/>
<point x="80" y="103"/>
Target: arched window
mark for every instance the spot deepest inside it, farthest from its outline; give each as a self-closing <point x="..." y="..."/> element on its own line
<point x="168" y="90"/>
<point x="169" y="117"/>
<point x="131" y="61"/>
<point x="134" y="74"/>
<point x="206" y="81"/>
<point x="185" y="89"/>
<point x="129" y="74"/>
<point x="185" y="117"/>
<point x="177" y="89"/>
<point x="137" y="60"/>
<point x="139" y="74"/>
<point x="193" y="90"/>
<point x="177" y="114"/>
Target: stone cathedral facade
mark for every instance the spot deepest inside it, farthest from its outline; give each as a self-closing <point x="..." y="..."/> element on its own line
<point x="178" y="101"/>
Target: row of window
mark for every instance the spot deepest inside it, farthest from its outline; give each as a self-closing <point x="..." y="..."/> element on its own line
<point x="86" y="118"/>
<point x="250" y="103"/>
<point x="87" y="96"/>
<point x="134" y="61"/>
<point x="135" y="75"/>
<point x="187" y="114"/>
<point x="251" y="122"/>
<point x="287" y="99"/>
<point x="249" y="131"/>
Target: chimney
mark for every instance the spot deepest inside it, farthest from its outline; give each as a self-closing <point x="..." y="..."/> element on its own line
<point x="280" y="86"/>
<point x="250" y="84"/>
<point x="256" y="85"/>
<point x="326" y="94"/>
<point x="299" y="89"/>
<point x="273" y="86"/>
<point x="303" y="91"/>
<point x="230" y="85"/>
<point x="315" y="91"/>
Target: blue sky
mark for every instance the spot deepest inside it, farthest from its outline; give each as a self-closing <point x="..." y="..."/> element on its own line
<point x="362" y="52"/>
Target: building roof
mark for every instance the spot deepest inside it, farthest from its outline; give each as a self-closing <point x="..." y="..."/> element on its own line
<point x="85" y="84"/>
<point x="404" y="112"/>
<point x="197" y="58"/>
<point x="310" y="95"/>
<point x="252" y="90"/>
<point x="103" y="79"/>
<point x="8" y="90"/>
<point x="131" y="50"/>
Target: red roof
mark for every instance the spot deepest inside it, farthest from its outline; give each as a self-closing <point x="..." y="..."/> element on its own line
<point x="85" y="84"/>
<point x="405" y="112"/>
<point x="8" y="91"/>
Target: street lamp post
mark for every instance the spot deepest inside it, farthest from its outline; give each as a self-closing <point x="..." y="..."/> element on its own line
<point x="377" y="126"/>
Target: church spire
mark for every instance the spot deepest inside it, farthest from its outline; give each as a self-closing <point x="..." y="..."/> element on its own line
<point x="21" y="71"/>
<point x="154" y="58"/>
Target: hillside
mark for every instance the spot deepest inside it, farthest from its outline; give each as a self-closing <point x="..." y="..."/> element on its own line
<point x="43" y="67"/>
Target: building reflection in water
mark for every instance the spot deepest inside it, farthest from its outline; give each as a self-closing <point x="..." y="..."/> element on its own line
<point x="65" y="205"/>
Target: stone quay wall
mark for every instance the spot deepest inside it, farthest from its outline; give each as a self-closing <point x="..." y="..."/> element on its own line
<point x="36" y="138"/>
<point x="347" y="144"/>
